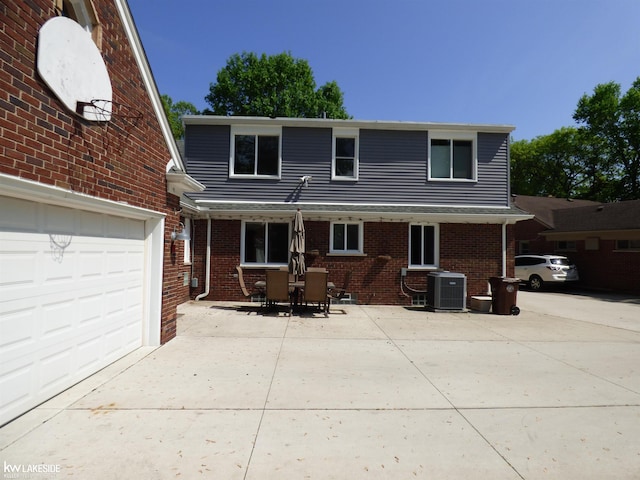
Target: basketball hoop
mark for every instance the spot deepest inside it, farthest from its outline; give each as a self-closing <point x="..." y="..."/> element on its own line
<point x="120" y="118"/>
<point x="58" y="243"/>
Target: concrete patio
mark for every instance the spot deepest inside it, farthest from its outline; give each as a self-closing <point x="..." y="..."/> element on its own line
<point x="369" y="392"/>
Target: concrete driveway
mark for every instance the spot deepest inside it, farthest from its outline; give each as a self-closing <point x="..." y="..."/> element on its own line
<point x="369" y="392"/>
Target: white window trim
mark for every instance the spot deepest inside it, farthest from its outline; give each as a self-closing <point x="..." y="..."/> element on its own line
<point x="187" y="244"/>
<point x="453" y="135"/>
<point x="265" y="264"/>
<point x="345" y="133"/>
<point x="84" y="13"/>
<point x="360" y="250"/>
<point x="257" y="131"/>
<point x="436" y="247"/>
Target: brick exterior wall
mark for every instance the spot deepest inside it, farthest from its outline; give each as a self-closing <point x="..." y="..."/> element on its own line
<point x="606" y="268"/>
<point x="472" y="249"/>
<point x="41" y="141"/>
<point x="529" y="230"/>
<point x="602" y="269"/>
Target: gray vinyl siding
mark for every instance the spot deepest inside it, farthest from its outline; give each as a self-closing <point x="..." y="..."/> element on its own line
<point x="392" y="170"/>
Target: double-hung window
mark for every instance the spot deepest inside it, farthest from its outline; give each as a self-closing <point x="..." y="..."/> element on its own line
<point x="255" y="152"/>
<point x="452" y="156"/>
<point x="424" y="245"/>
<point x="346" y="238"/>
<point x="345" y="154"/>
<point x="265" y="243"/>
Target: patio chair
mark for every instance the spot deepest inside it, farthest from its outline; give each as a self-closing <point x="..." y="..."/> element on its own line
<point x="316" y="269"/>
<point x="292" y="276"/>
<point x="337" y="294"/>
<point x="243" y="286"/>
<point x="315" y="290"/>
<point x="278" y="288"/>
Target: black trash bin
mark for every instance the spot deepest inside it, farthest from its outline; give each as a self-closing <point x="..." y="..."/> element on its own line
<point x="503" y="295"/>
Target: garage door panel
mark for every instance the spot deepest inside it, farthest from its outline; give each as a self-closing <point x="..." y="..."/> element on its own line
<point x="15" y="385"/>
<point x="89" y="309"/>
<point x="89" y="352"/>
<point x="17" y="329"/>
<point x="19" y="268"/>
<point x="60" y="319"/>
<point x="55" y="368"/>
<point x="70" y="301"/>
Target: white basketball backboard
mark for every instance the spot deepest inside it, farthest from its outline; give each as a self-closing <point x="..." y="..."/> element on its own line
<point x="72" y="66"/>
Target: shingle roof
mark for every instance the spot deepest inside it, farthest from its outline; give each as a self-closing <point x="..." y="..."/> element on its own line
<point x="603" y="216"/>
<point x="543" y="207"/>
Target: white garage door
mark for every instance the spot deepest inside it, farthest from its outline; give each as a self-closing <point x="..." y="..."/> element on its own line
<point x="71" y="298"/>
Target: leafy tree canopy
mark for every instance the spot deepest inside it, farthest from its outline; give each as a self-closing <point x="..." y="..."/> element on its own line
<point x="599" y="159"/>
<point x="612" y="121"/>
<point x="174" y="112"/>
<point x="272" y="86"/>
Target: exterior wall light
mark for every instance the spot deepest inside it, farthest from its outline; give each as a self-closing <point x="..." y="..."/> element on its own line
<point x="304" y="180"/>
<point x="182" y="235"/>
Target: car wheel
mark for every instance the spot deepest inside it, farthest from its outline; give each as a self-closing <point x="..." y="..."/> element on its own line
<point x="535" y="282"/>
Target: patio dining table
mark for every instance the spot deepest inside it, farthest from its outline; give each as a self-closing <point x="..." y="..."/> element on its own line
<point x="295" y="285"/>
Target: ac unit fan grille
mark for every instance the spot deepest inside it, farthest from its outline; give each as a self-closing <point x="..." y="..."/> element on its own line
<point x="446" y="291"/>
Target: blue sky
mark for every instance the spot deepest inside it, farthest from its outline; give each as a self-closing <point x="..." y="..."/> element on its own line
<point x="519" y="62"/>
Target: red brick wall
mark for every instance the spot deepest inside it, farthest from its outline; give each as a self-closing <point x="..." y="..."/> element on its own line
<point x="605" y="268"/>
<point x="475" y="250"/>
<point x="40" y="140"/>
<point x="529" y="230"/>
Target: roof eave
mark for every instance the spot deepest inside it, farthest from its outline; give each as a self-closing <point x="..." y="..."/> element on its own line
<point x="248" y="212"/>
<point x="179" y="183"/>
<point x="330" y="123"/>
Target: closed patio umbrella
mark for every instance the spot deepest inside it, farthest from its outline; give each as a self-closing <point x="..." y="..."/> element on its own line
<point x="296" y="265"/>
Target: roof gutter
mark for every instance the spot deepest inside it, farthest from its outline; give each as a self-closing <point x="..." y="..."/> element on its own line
<point x="335" y="123"/>
<point x="397" y="215"/>
<point x="207" y="280"/>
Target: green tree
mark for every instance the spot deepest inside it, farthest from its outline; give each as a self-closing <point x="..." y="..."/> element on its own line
<point x="174" y="112"/>
<point x="550" y="165"/>
<point x="611" y="123"/>
<point x="273" y="86"/>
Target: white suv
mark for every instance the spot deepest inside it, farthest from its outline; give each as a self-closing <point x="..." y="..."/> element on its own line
<point x="537" y="270"/>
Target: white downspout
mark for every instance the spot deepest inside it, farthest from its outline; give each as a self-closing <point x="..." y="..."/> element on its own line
<point x="207" y="281"/>
<point x="504" y="249"/>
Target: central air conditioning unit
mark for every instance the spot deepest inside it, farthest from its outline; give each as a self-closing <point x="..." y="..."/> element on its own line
<point x="446" y="291"/>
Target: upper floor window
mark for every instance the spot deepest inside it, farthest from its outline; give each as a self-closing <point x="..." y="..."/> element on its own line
<point x="264" y="243"/>
<point x="83" y="12"/>
<point x="424" y="245"/>
<point x="452" y="156"/>
<point x="345" y="154"/>
<point x="255" y="152"/>
<point x="346" y="237"/>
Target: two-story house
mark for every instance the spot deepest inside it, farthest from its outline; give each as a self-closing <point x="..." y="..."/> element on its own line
<point x="388" y="201"/>
<point x="90" y="185"/>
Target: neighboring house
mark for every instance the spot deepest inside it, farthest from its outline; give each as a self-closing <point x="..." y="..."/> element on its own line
<point x="90" y="186"/>
<point x="602" y="239"/>
<point x="528" y="234"/>
<point x="388" y="201"/>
